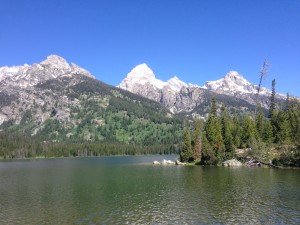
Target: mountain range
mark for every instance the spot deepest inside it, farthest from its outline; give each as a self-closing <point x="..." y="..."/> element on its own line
<point x="57" y="102"/>
<point x="179" y="97"/>
<point x="55" y="89"/>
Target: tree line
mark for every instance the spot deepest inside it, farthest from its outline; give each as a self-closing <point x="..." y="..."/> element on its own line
<point x="17" y="146"/>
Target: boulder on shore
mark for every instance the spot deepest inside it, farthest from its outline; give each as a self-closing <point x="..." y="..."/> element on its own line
<point x="232" y="163"/>
<point x="156" y="163"/>
<point x="168" y="162"/>
<point x="164" y="162"/>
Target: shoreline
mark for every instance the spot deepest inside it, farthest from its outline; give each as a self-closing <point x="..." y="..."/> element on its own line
<point x="2" y="159"/>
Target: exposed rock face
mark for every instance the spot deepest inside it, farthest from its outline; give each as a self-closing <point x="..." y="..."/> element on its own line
<point x="19" y="89"/>
<point x="232" y="163"/>
<point x="141" y="80"/>
<point x="179" y="97"/>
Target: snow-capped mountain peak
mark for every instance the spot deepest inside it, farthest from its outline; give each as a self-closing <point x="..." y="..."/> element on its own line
<point x="141" y="75"/>
<point x="232" y="83"/>
<point x="176" y="84"/>
<point x="141" y="70"/>
<point x="235" y="77"/>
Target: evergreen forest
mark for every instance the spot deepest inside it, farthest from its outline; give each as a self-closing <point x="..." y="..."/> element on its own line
<point x="273" y="138"/>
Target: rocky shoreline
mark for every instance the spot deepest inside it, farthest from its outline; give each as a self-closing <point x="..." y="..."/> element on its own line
<point x="168" y="162"/>
<point x="227" y="163"/>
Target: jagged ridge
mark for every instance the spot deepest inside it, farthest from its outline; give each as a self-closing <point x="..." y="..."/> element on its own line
<point x="179" y="97"/>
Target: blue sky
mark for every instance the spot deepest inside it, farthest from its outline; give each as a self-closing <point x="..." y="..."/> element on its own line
<point x="197" y="40"/>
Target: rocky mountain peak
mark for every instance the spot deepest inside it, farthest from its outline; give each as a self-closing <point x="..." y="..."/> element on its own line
<point x="52" y="67"/>
<point x="55" y="60"/>
<point x="231" y="84"/>
<point x="233" y="75"/>
<point x="139" y="76"/>
<point x="176" y="84"/>
<point x="141" y="71"/>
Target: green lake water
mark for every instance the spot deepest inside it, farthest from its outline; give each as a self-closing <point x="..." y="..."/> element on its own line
<point x="130" y="190"/>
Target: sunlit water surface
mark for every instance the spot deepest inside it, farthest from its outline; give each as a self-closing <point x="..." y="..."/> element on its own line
<point x="130" y="190"/>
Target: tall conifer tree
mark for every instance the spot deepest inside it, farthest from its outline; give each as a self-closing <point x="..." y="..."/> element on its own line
<point x="213" y="130"/>
<point x="248" y="134"/>
<point x="272" y="100"/>
<point x="226" y="133"/>
<point x="187" y="153"/>
<point x="198" y="140"/>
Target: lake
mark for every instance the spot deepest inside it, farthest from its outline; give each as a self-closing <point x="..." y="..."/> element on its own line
<point x="130" y="190"/>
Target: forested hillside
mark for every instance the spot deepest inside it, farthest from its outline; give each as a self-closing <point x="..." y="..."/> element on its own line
<point x="88" y="117"/>
<point x="273" y="138"/>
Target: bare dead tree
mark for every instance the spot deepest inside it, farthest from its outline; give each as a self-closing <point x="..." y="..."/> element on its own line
<point x="263" y="73"/>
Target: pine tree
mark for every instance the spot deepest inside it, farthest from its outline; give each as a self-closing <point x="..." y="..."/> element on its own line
<point x="236" y="131"/>
<point x="213" y="131"/>
<point x="226" y="134"/>
<point x="212" y="124"/>
<point x="294" y="121"/>
<point x="268" y="132"/>
<point x="186" y="154"/>
<point x="219" y="147"/>
<point x="282" y="128"/>
<point x="208" y="156"/>
<point x="213" y="110"/>
<point x="272" y="101"/>
<point x="197" y="140"/>
<point x="287" y="103"/>
<point x="248" y="133"/>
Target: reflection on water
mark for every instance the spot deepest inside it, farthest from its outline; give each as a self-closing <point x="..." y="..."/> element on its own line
<point x="130" y="190"/>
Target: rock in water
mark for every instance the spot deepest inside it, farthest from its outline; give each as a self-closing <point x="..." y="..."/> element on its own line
<point x="177" y="162"/>
<point x="164" y="162"/>
<point x="232" y="163"/>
